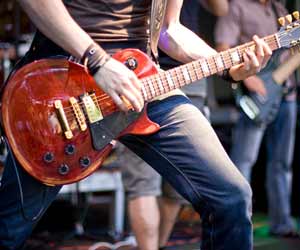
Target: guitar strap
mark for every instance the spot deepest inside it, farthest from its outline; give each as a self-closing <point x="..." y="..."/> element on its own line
<point x="158" y="9"/>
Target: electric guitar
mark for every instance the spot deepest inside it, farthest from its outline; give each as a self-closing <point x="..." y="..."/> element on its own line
<point x="60" y="124"/>
<point x="264" y="109"/>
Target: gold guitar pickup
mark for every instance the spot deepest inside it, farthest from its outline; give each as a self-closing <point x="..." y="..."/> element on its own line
<point x="63" y="119"/>
<point x="92" y="108"/>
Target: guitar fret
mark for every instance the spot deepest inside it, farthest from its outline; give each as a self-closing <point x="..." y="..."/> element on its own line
<point x="222" y="55"/>
<point x="177" y="75"/>
<point x="144" y="92"/>
<point x="191" y="72"/>
<point x="219" y="63"/>
<point x="196" y="71"/>
<point x="152" y="90"/>
<point x="235" y="57"/>
<point x="170" y="80"/>
<point x="231" y="63"/>
<point x="205" y="68"/>
<point x="186" y="75"/>
<point x="160" y="85"/>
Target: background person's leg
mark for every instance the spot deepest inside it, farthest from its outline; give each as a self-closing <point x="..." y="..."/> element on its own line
<point x="280" y="145"/>
<point x="246" y="141"/>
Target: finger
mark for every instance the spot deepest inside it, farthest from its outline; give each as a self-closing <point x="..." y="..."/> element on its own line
<point x="137" y="89"/>
<point x="246" y="62"/>
<point x="118" y="101"/>
<point x="254" y="63"/>
<point x="259" y="51"/>
<point x="132" y="99"/>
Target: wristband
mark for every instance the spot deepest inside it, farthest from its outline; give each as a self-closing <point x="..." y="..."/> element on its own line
<point x="94" y="58"/>
<point x="227" y="77"/>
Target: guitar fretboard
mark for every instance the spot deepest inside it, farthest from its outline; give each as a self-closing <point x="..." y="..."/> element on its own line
<point x="180" y="76"/>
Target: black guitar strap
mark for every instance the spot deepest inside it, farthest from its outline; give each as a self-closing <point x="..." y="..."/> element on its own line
<point x="158" y="9"/>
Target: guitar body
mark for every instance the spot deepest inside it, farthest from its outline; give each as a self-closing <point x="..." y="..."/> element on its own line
<point x="35" y="128"/>
<point x="263" y="109"/>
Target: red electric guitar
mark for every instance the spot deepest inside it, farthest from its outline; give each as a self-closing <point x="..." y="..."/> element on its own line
<point x="60" y="124"/>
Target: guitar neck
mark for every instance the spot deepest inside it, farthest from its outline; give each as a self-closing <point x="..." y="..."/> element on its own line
<point x="180" y="76"/>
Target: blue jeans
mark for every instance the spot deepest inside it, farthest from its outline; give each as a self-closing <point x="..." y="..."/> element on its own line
<point x="186" y="152"/>
<point x="280" y="138"/>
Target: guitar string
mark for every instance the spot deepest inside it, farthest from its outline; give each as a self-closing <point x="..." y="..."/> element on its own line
<point x="163" y="75"/>
<point x="212" y="67"/>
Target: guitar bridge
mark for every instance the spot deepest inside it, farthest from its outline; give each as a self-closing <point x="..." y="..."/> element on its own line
<point x="78" y="114"/>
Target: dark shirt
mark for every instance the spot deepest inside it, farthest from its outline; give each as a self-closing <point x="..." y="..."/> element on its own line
<point x="112" y="20"/>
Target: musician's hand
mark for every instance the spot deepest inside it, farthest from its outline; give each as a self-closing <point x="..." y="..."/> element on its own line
<point x="254" y="61"/>
<point x="121" y="84"/>
<point x="255" y="84"/>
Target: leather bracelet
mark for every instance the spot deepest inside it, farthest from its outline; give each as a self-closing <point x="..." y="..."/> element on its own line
<point x="94" y="58"/>
<point x="227" y="77"/>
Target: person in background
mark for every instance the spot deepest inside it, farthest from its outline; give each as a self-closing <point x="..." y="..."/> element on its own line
<point x="238" y="27"/>
<point x="185" y="151"/>
<point x="153" y="205"/>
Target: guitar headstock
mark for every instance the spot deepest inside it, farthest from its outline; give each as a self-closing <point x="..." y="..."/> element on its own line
<point x="289" y="34"/>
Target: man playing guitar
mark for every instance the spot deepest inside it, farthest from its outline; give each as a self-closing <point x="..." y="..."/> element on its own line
<point x="185" y="151"/>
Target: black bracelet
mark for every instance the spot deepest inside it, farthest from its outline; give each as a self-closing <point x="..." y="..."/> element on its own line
<point x="227" y="77"/>
<point x="94" y="58"/>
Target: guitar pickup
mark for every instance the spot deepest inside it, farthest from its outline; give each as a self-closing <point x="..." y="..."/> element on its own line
<point x="92" y="108"/>
<point x="63" y="119"/>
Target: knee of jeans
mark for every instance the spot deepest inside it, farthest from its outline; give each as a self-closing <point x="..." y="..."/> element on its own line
<point x="238" y="204"/>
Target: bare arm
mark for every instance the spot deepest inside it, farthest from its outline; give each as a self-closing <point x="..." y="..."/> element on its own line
<point x="179" y="42"/>
<point x="183" y="45"/>
<point x="52" y="18"/>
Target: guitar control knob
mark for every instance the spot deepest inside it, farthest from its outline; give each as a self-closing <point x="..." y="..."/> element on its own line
<point x="70" y="149"/>
<point x="84" y="162"/>
<point x="48" y="157"/>
<point x="63" y="169"/>
<point x="296" y="15"/>
<point x="131" y="63"/>
<point x="281" y="21"/>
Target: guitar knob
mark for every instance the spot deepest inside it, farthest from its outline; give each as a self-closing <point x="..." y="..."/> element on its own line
<point x="296" y="15"/>
<point x="48" y="157"/>
<point x="84" y="162"/>
<point x="70" y="149"/>
<point x="63" y="169"/>
<point x="289" y="18"/>
<point x="131" y="63"/>
<point x="281" y="21"/>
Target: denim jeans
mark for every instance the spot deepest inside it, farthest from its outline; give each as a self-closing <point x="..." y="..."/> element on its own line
<point x="185" y="151"/>
<point x="280" y="138"/>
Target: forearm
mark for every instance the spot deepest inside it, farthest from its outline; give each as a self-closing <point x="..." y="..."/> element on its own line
<point x="182" y="44"/>
<point x="52" y="19"/>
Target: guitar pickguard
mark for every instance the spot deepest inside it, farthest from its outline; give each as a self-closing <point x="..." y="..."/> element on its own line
<point x="104" y="131"/>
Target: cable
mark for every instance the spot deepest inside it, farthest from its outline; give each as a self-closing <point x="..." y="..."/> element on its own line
<point x="33" y="218"/>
